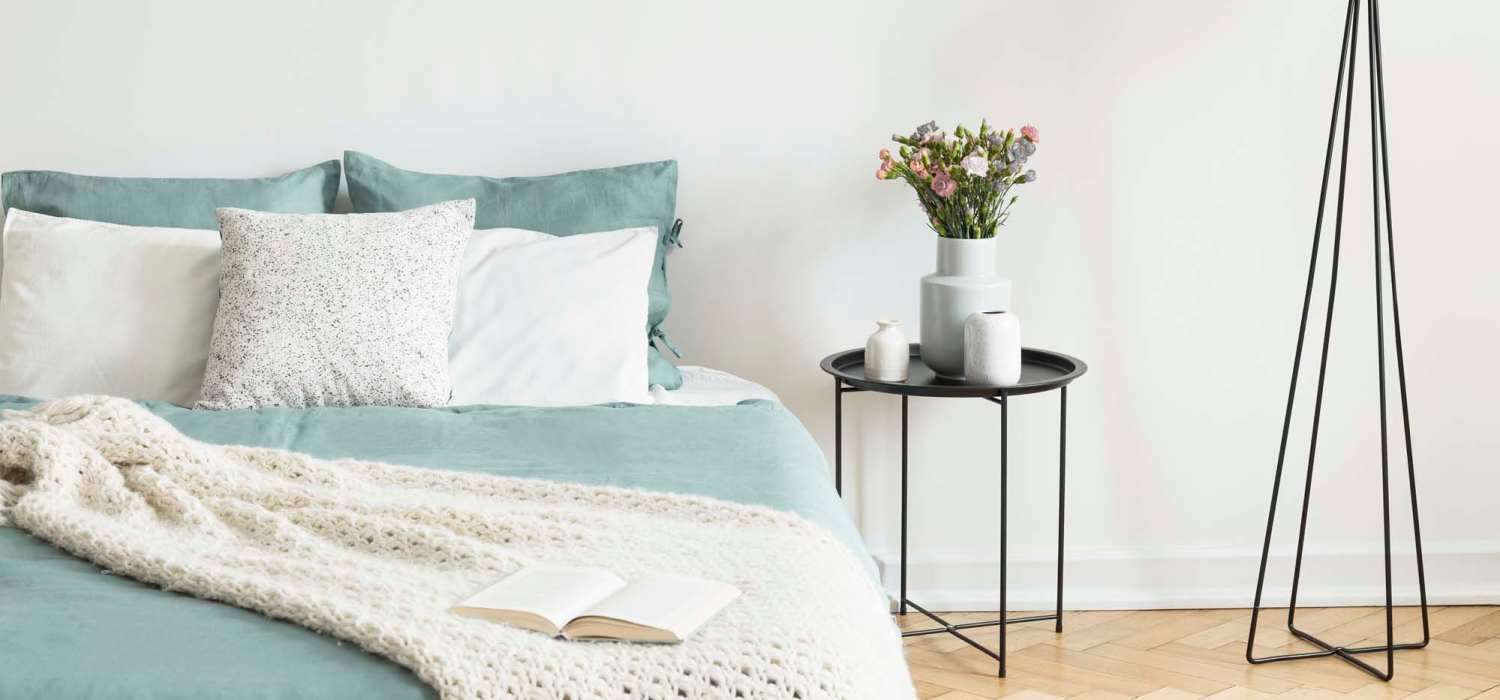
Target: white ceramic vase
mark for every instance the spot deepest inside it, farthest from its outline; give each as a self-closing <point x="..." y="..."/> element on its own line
<point x="887" y="354"/>
<point x="992" y="348"/>
<point x="965" y="283"/>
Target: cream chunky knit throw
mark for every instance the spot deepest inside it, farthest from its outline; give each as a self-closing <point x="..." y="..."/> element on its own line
<point x="375" y="554"/>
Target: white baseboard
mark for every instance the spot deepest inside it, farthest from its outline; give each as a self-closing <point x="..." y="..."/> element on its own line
<point x="1197" y="578"/>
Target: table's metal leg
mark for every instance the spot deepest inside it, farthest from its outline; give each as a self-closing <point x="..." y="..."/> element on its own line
<point x="902" y="604"/>
<point x="838" y="436"/>
<point x="1004" y="618"/>
<point x="1062" y="490"/>
<point x="1004" y="476"/>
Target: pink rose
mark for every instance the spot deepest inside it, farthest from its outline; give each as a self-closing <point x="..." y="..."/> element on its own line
<point x="943" y="185"/>
<point x="885" y="154"/>
<point x="1029" y="132"/>
<point x="917" y="167"/>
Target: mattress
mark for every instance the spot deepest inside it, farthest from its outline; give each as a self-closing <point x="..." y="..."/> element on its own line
<point x="73" y="631"/>
<point x="702" y="386"/>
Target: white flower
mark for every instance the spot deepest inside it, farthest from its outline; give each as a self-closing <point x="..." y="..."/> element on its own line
<point x="975" y="165"/>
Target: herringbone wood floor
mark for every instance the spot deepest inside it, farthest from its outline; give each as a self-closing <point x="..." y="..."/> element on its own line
<point x="1170" y="654"/>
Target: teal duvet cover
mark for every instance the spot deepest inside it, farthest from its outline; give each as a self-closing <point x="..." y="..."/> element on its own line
<point x="73" y="631"/>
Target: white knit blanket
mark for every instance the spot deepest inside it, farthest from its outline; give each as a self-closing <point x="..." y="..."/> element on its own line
<point x="376" y="554"/>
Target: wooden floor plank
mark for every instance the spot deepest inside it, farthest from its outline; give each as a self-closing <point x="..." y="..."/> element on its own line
<point x="1487" y="652"/>
<point x="1156" y="677"/>
<point x="1325" y="665"/>
<point x="1270" y="631"/>
<point x="1479" y="630"/>
<point x="927" y="691"/>
<point x="1239" y="693"/>
<point x="1018" y="637"/>
<point x="985" y="687"/>
<point x="1378" y="691"/>
<point x="1443" y="692"/>
<point x="1236" y="675"/>
<point x="1084" y="619"/>
<point x="1036" y="665"/>
<point x="1453" y="657"/>
<point x="1309" y="694"/>
<point x="1336" y="676"/>
<point x="1320" y="620"/>
<point x="1173" y="655"/>
<point x="1370" y="626"/>
<point x="961" y="695"/>
<point x="1101" y="695"/>
<point x="1170" y="694"/>
<point x="1170" y="630"/>
<point x="1410" y="663"/>
<point x="1111" y="630"/>
<point x="975" y="673"/>
<point x="1032" y="695"/>
<point x="1444" y="620"/>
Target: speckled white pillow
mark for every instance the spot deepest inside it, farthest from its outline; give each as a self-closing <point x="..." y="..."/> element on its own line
<point x="336" y="309"/>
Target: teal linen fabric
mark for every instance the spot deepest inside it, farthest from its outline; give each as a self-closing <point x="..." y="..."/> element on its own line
<point x="585" y="201"/>
<point x="75" y="632"/>
<point x="176" y="202"/>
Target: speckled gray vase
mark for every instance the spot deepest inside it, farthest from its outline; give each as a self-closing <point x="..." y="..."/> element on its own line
<point x="964" y="283"/>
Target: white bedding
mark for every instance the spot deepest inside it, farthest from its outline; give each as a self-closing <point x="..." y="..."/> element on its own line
<point x="102" y="308"/>
<point x="702" y="386"/>
<point x="552" y="321"/>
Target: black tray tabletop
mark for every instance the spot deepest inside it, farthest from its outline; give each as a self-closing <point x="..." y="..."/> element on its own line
<point x="1041" y="370"/>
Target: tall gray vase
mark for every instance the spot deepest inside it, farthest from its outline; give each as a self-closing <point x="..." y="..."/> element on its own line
<point x="965" y="282"/>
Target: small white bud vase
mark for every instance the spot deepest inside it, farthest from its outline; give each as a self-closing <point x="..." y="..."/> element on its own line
<point x="886" y="353"/>
<point x="992" y="348"/>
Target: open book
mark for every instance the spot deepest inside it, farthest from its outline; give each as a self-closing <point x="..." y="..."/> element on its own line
<point x="589" y="603"/>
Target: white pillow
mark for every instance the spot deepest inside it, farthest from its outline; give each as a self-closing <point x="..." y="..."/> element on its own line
<point x="552" y="320"/>
<point x="90" y="307"/>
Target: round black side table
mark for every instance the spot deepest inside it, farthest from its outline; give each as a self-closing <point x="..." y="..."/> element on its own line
<point x="1041" y="371"/>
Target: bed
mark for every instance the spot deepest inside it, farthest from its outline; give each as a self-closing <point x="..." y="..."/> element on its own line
<point x="718" y="436"/>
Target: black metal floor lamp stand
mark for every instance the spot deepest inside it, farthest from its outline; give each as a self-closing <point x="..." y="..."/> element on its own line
<point x="1343" y="98"/>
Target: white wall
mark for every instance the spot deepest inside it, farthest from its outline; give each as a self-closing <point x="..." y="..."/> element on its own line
<point x="1165" y="242"/>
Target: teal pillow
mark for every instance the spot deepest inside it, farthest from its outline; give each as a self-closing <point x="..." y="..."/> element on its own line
<point x="584" y="201"/>
<point x="176" y="202"/>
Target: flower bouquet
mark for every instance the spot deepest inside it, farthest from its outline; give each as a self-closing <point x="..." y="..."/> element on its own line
<point x="963" y="180"/>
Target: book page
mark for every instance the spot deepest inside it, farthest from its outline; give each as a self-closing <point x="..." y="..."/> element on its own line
<point x="677" y="604"/>
<point x="554" y="593"/>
